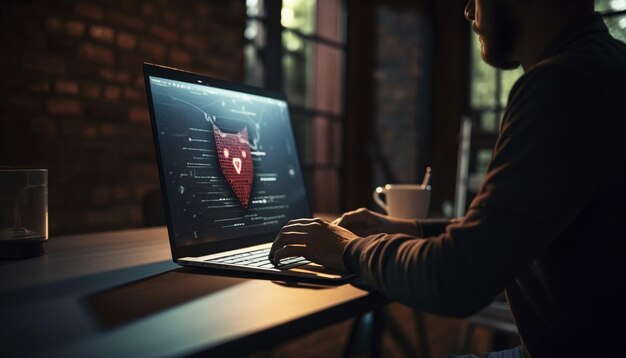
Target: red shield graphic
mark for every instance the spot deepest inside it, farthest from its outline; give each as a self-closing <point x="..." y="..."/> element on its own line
<point x="233" y="150"/>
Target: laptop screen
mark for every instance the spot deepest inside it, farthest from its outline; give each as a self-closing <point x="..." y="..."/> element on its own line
<point x="229" y="164"/>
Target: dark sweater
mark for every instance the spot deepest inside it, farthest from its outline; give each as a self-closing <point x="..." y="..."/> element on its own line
<point x="548" y="223"/>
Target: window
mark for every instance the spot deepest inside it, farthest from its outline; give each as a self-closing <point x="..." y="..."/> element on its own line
<point x="488" y="97"/>
<point x="614" y="13"/>
<point x="311" y="74"/>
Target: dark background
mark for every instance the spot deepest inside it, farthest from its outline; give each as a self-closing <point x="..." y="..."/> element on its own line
<point x="72" y="98"/>
<point x="72" y="95"/>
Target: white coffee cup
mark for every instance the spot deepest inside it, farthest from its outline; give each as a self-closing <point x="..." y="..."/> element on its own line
<point x="407" y="201"/>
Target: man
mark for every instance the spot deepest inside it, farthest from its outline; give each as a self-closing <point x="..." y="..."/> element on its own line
<point x="548" y="223"/>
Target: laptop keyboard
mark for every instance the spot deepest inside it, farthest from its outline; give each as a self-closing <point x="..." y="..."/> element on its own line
<point x="258" y="258"/>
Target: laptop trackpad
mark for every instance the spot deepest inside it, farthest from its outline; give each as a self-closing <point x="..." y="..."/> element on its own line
<point x="318" y="270"/>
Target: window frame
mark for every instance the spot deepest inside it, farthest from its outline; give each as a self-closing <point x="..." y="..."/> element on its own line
<point x="269" y="54"/>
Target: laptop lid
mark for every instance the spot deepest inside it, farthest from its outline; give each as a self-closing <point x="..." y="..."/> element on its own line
<point x="228" y="163"/>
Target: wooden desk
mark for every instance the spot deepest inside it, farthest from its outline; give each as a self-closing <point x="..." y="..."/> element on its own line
<point x="119" y="294"/>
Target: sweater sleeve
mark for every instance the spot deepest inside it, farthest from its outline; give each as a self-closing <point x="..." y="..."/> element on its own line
<point x="547" y="163"/>
<point x="432" y="227"/>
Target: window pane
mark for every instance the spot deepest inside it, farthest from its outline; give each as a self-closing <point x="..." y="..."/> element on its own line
<point x="483" y="157"/>
<point x="253" y="65"/>
<point x="324" y="140"/>
<point x="253" y="62"/>
<point x="330" y="20"/>
<point x="489" y="121"/>
<point x="254" y="8"/>
<point x="325" y="193"/>
<point x="252" y="32"/>
<point x="610" y="5"/>
<point x="303" y="129"/>
<point x="483" y="79"/>
<point x="508" y="79"/>
<point x="337" y="137"/>
<point x="318" y="138"/>
<point x="299" y="70"/>
<point x="298" y="14"/>
<point x="318" y="148"/>
<point x="617" y="27"/>
<point x="329" y="77"/>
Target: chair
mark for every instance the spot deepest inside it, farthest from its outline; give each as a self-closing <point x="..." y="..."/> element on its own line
<point x="497" y="317"/>
<point x="366" y="335"/>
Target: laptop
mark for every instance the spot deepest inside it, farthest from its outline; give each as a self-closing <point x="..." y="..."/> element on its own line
<point x="230" y="173"/>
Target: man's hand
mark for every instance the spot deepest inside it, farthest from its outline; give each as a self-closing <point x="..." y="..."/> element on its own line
<point x="364" y="222"/>
<point x="314" y="239"/>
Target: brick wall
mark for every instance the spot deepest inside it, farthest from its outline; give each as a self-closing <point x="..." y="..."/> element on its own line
<point x="402" y="114"/>
<point x="72" y="97"/>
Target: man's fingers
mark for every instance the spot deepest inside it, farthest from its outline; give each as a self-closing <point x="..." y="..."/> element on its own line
<point x="294" y="232"/>
<point x="303" y="220"/>
<point x="303" y="228"/>
<point x="290" y="237"/>
<point x="299" y="225"/>
<point x="306" y="221"/>
<point x="287" y="238"/>
<point x="288" y="251"/>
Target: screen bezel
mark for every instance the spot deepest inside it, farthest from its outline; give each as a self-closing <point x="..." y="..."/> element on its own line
<point x="195" y="78"/>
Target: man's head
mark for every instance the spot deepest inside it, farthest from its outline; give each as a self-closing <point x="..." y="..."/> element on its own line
<point x="505" y="28"/>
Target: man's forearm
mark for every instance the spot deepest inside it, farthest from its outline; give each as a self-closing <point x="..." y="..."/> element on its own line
<point x="432" y="227"/>
<point x="456" y="273"/>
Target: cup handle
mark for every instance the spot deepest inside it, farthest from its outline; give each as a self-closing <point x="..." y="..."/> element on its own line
<point x="376" y="195"/>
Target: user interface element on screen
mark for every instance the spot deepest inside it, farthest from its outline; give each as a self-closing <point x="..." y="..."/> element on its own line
<point x="229" y="161"/>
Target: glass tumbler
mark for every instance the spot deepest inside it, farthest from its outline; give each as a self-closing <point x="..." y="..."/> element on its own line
<point x="23" y="212"/>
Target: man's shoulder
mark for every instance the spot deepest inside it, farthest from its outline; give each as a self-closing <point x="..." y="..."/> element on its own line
<point x="596" y="66"/>
<point x="550" y="81"/>
<point x="601" y="55"/>
<point x="554" y="94"/>
<point x="597" y="60"/>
